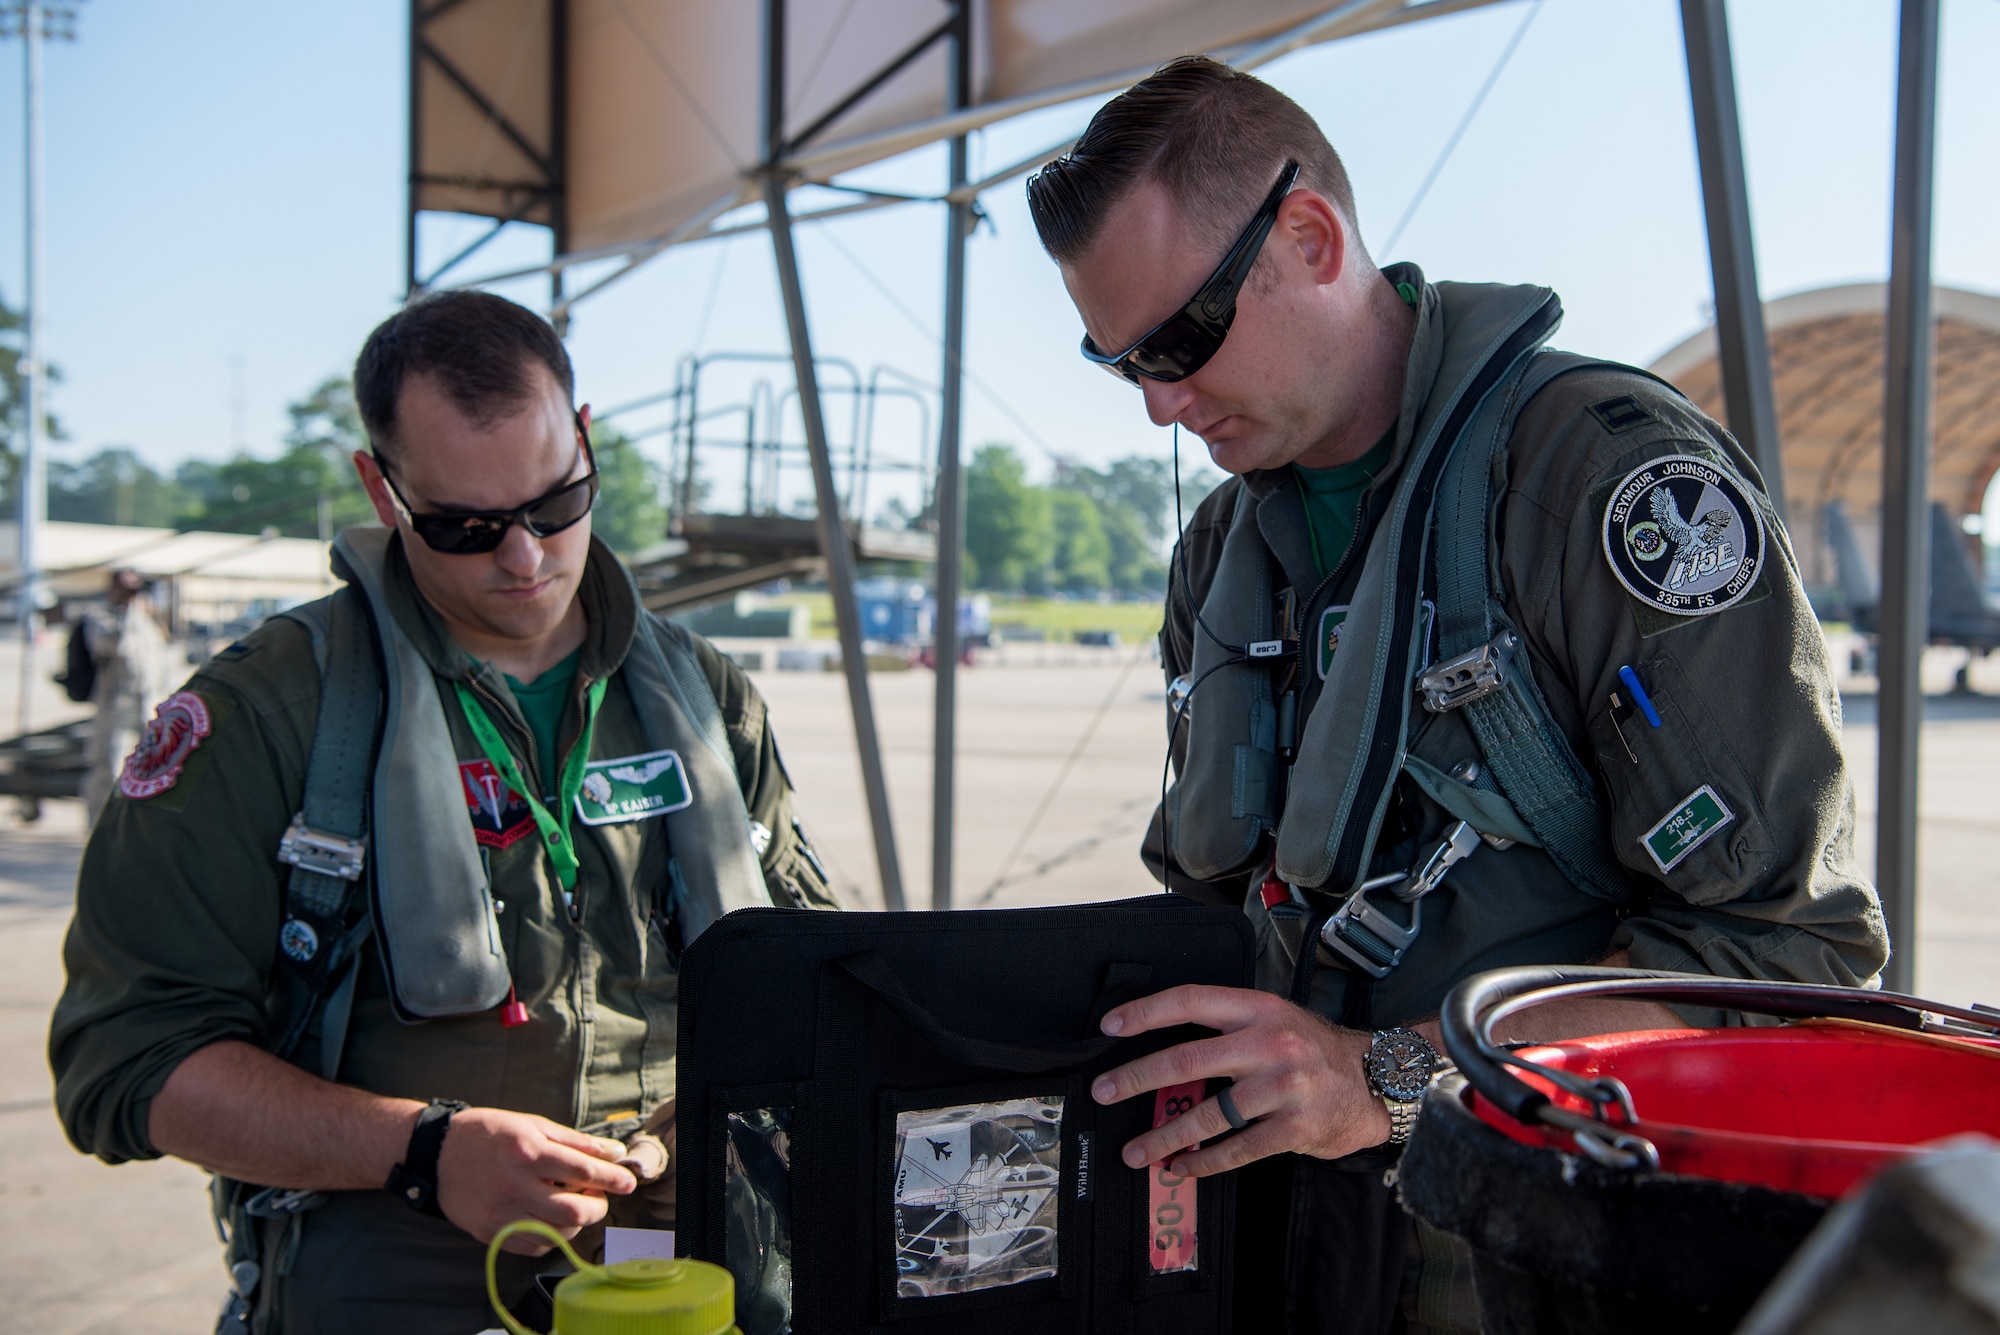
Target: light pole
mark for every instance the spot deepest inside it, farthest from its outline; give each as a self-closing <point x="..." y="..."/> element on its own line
<point x="33" y="22"/>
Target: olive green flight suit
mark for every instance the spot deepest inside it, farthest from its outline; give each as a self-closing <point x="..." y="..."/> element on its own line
<point x="180" y="899"/>
<point x="1748" y="706"/>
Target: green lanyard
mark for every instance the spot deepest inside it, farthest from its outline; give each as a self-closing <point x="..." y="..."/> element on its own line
<point x="555" y="831"/>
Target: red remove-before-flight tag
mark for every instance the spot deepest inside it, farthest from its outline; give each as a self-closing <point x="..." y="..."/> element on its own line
<point x="1170" y="1198"/>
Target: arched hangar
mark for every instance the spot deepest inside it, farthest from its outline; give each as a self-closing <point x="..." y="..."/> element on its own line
<point x="1826" y="365"/>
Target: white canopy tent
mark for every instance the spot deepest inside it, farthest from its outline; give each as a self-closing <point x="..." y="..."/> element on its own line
<point x="630" y="126"/>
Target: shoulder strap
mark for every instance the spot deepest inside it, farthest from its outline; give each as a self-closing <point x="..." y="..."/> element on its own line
<point x="320" y="942"/>
<point x="1526" y="753"/>
<point x="689" y="683"/>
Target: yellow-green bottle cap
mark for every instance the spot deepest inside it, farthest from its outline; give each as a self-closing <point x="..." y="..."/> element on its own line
<point x="648" y="1297"/>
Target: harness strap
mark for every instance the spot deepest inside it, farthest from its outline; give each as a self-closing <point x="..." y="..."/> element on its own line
<point x="690" y="686"/>
<point x="1526" y="753"/>
<point x="319" y="948"/>
<point x="318" y="944"/>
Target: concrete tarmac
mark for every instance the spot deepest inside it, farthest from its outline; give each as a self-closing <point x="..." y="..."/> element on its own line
<point x="1059" y="768"/>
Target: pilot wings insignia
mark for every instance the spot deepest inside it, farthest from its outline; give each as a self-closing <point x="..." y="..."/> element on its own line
<point x="645" y="773"/>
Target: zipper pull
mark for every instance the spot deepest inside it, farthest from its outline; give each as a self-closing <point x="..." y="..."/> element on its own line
<point x="513" y="1014"/>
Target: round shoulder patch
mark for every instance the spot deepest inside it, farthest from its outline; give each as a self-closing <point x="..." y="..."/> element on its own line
<point x="155" y="764"/>
<point x="1684" y="536"/>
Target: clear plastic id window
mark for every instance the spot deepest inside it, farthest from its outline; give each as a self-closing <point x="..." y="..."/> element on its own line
<point x="976" y="1195"/>
<point x="757" y="1199"/>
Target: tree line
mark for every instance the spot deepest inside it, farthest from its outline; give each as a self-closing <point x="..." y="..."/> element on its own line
<point x="248" y="494"/>
<point x="1087" y="531"/>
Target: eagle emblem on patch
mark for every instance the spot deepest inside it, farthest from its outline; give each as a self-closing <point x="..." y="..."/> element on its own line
<point x="177" y="728"/>
<point x="1684" y="536"/>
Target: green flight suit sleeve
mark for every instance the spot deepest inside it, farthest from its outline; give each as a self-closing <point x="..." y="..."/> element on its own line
<point x="1745" y="695"/>
<point x="178" y="898"/>
<point x="792" y="869"/>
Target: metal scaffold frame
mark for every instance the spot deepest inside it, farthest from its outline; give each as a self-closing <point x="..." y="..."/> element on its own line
<point x="791" y="158"/>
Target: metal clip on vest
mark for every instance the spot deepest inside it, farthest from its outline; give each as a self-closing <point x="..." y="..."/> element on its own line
<point x="322" y="852"/>
<point x="1370" y="939"/>
<point x="1468" y="677"/>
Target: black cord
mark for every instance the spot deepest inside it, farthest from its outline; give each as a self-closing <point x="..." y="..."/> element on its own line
<point x="1180" y="559"/>
<point x="1237" y="654"/>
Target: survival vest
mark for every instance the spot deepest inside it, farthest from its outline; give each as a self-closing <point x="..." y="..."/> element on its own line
<point x="415" y="881"/>
<point x="1458" y="649"/>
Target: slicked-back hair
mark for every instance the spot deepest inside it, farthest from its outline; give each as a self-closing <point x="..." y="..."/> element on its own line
<point x="1213" y="137"/>
<point x="479" y="348"/>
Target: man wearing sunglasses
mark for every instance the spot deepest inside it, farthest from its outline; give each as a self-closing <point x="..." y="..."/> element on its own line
<point x="383" y="924"/>
<point x="1482" y="657"/>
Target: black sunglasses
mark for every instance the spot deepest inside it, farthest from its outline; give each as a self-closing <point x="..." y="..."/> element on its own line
<point x="1182" y="344"/>
<point x="470" y="532"/>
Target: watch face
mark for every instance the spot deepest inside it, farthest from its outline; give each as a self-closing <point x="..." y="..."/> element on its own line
<point x="1400" y="1064"/>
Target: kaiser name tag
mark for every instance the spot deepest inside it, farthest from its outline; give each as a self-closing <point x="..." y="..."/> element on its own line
<point x="630" y="788"/>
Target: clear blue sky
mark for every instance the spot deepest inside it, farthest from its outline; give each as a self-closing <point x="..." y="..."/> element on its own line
<point x="225" y="196"/>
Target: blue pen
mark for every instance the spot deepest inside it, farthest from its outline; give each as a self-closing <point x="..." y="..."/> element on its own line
<point x="1639" y="696"/>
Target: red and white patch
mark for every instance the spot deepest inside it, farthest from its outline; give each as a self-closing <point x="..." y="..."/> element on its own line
<point x="154" y="766"/>
<point x="500" y="816"/>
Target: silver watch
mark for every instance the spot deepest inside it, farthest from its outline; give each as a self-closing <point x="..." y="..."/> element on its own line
<point x="1400" y="1064"/>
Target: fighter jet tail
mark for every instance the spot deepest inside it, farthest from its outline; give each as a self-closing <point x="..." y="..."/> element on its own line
<point x="1860" y="594"/>
<point x="1959" y="612"/>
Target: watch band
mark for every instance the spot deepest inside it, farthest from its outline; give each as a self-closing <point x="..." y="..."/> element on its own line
<point x="415" y="1178"/>
<point x="1402" y="1117"/>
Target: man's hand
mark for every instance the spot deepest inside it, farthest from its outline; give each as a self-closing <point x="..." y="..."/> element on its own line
<point x="498" y="1166"/>
<point x="1298" y="1079"/>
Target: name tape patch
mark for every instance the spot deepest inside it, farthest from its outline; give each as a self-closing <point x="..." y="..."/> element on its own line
<point x="633" y="788"/>
<point x="1686" y="828"/>
<point x="1683" y="536"/>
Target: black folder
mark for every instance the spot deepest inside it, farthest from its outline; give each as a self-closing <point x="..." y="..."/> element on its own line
<point x="884" y="1121"/>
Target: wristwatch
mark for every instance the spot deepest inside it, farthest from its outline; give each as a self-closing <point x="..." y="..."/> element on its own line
<point x="416" y="1178"/>
<point x="1400" y="1064"/>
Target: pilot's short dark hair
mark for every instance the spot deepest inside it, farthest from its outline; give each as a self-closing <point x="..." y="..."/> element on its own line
<point x="1215" y="137"/>
<point x="481" y="349"/>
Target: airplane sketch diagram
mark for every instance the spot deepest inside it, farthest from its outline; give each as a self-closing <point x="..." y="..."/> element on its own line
<point x="975" y="1195"/>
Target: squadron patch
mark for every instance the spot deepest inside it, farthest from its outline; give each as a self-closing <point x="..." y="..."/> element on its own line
<point x="500" y="816"/>
<point x="1683" y="536"/>
<point x="177" y="728"/>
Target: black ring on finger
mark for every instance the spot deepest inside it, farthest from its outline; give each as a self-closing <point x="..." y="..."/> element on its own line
<point x="1223" y="1100"/>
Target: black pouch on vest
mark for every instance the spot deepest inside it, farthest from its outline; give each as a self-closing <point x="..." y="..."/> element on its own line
<point x="885" y="1121"/>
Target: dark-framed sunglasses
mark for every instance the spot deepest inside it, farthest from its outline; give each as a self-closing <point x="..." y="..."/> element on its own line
<point x="470" y="532"/>
<point x="1183" y="343"/>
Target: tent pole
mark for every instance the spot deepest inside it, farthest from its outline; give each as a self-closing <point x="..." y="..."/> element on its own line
<point x="834" y="546"/>
<point x="558" y="160"/>
<point x="949" y="503"/>
<point x="1744" y="353"/>
<point x="833" y="543"/>
<point x="1906" y="460"/>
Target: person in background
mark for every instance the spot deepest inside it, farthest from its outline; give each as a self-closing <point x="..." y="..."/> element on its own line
<point x="134" y="666"/>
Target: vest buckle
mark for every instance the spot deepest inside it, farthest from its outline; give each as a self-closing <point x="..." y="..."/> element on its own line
<point x="1468" y="677"/>
<point x="322" y="852"/>
<point x="1370" y="939"/>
